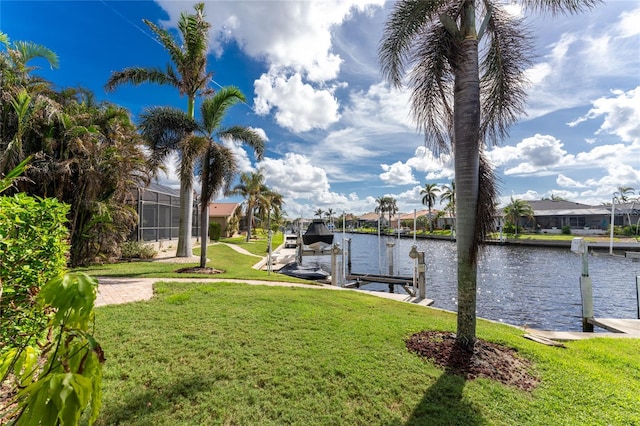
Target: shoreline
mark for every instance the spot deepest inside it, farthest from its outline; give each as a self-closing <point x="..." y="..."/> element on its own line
<point x="602" y="245"/>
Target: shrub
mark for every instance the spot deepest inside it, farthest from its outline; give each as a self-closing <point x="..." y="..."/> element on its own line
<point x="509" y="228"/>
<point x="215" y="231"/>
<point x="137" y="250"/>
<point x="566" y="230"/>
<point x="33" y="249"/>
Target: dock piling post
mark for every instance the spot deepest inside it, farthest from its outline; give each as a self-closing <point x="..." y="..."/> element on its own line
<point x="638" y="294"/>
<point x="422" y="268"/>
<point x="578" y="245"/>
<point x="390" y="257"/>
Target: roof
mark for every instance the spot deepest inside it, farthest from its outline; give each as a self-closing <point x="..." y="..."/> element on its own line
<point x="372" y="217"/>
<point x="565" y="208"/>
<point x="222" y="209"/>
<point x="156" y="187"/>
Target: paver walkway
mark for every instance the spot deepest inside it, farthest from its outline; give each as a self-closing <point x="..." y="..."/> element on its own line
<point x="116" y="290"/>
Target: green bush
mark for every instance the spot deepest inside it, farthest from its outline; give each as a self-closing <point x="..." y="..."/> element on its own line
<point x="566" y="230"/>
<point x="215" y="231"/>
<point x="137" y="250"/>
<point x="509" y="228"/>
<point x="33" y="250"/>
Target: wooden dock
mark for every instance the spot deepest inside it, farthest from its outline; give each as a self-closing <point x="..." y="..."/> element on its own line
<point x="357" y="280"/>
<point x="616" y="328"/>
<point x="617" y="325"/>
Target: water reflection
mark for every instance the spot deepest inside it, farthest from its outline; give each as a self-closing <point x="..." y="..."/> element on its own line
<point x="532" y="286"/>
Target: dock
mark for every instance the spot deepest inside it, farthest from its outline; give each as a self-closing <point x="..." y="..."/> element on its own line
<point x="357" y="280"/>
<point x="616" y="328"/>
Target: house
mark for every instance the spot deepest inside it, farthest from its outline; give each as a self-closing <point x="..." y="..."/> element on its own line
<point x="158" y="209"/>
<point x="227" y="215"/>
<point x="555" y="214"/>
<point x="370" y="220"/>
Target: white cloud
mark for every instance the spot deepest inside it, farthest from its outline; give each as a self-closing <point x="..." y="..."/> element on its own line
<point x="397" y="174"/>
<point x="567" y="182"/>
<point x="299" y="106"/>
<point x="621" y="115"/>
<point x="537" y="154"/>
<point x="629" y="23"/>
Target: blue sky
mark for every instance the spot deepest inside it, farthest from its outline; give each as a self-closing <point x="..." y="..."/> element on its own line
<point x="338" y="136"/>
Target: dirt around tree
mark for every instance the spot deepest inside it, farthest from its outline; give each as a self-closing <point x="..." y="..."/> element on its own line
<point x="199" y="270"/>
<point x="488" y="360"/>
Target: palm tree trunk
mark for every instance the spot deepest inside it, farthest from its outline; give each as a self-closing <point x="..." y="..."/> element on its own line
<point x="467" y="171"/>
<point x="204" y="210"/>
<point x="186" y="221"/>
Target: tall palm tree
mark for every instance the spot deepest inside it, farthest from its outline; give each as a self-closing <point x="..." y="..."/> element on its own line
<point x="517" y="209"/>
<point x="381" y="206"/>
<point x="392" y="207"/>
<point x="430" y="193"/>
<point x="448" y="196"/>
<point x="219" y="165"/>
<point x="622" y="196"/>
<point x="319" y="213"/>
<point x="251" y="187"/>
<point x="467" y="89"/>
<point x="329" y="214"/>
<point x="188" y="73"/>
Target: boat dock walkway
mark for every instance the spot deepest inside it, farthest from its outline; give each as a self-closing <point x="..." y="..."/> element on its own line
<point x="616" y="328"/>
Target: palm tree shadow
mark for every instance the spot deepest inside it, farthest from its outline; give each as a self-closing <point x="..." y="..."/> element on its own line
<point x="444" y="404"/>
<point x="145" y="402"/>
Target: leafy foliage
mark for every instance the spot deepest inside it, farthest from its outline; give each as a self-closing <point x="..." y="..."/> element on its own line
<point x="215" y="231"/>
<point x="137" y="250"/>
<point x="59" y="378"/>
<point x="33" y="247"/>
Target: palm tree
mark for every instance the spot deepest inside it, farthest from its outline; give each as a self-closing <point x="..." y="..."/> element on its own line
<point x="319" y="213"/>
<point x="430" y="192"/>
<point x="392" y="207"/>
<point x="517" y="209"/>
<point x="448" y="196"/>
<point x="622" y="196"/>
<point x="251" y="187"/>
<point x="188" y="74"/>
<point x="461" y="99"/>
<point x="329" y="214"/>
<point x="381" y="205"/>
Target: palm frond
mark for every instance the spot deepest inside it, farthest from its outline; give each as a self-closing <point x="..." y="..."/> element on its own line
<point x="503" y="84"/>
<point x="163" y="129"/>
<point x="247" y="136"/>
<point x="29" y="50"/>
<point x="487" y="199"/>
<point x="168" y="42"/>
<point x="406" y="20"/>
<point x="557" y="7"/>
<point x="222" y="170"/>
<point x="137" y="76"/>
<point x="213" y="109"/>
<point x="432" y="82"/>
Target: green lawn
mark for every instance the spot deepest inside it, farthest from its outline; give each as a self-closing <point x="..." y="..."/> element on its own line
<point x="209" y="354"/>
<point x="256" y="355"/>
<point x="221" y="257"/>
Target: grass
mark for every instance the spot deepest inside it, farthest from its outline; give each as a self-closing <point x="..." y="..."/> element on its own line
<point x="222" y="257"/>
<point x="229" y="353"/>
<point x="248" y="355"/>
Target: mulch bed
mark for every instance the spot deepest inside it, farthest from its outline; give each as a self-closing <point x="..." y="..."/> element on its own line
<point x="487" y="360"/>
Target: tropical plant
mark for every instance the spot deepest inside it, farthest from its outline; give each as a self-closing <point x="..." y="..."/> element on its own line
<point x="188" y="73"/>
<point x="329" y="214"/>
<point x="517" y="209"/>
<point x="251" y="187"/>
<point x="168" y="129"/>
<point x="319" y="213"/>
<point x="56" y="379"/>
<point x="429" y="194"/>
<point x="468" y="87"/>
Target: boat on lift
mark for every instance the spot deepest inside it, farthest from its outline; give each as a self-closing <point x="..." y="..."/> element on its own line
<point x="318" y="236"/>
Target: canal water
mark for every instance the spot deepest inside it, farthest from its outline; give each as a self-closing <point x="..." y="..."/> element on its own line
<point x="525" y="286"/>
